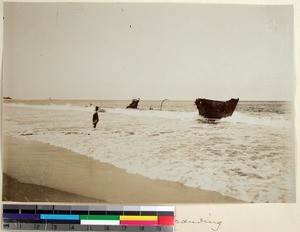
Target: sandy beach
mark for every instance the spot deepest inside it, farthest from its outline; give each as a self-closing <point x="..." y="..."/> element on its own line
<point x="14" y="190"/>
<point x="74" y="177"/>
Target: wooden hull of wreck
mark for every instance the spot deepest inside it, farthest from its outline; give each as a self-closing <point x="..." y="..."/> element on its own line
<point x="133" y="104"/>
<point x="216" y="109"/>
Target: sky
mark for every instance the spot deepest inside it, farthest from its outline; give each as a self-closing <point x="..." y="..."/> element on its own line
<point x="151" y="51"/>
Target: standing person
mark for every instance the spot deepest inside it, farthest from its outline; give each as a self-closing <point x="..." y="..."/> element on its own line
<point x="96" y="117"/>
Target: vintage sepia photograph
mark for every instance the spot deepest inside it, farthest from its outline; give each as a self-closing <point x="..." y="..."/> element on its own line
<point x="140" y="103"/>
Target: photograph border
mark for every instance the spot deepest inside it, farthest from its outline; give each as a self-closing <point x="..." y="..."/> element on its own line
<point x="275" y="217"/>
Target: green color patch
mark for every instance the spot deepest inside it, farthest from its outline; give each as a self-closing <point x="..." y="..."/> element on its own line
<point x="99" y="217"/>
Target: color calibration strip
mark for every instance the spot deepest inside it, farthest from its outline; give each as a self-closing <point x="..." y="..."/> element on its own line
<point x="88" y="218"/>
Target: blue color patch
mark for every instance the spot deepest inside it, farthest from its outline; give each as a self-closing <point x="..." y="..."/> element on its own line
<point x="59" y="217"/>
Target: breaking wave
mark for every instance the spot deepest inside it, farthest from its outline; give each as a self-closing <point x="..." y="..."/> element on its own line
<point x="237" y="117"/>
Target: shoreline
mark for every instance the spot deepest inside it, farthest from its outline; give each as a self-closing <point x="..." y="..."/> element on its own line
<point x="35" y="164"/>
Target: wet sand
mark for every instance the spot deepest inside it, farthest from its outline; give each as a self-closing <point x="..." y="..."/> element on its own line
<point x="13" y="190"/>
<point x="65" y="176"/>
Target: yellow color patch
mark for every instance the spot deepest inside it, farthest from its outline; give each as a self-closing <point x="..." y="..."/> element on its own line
<point x="138" y="218"/>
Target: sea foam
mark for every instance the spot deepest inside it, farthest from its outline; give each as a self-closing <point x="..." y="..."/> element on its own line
<point x="243" y="156"/>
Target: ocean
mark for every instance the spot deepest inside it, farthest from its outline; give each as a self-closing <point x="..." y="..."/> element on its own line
<point x="248" y="156"/>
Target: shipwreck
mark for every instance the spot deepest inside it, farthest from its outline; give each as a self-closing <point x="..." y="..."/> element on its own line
<point x="134" y="103"/>
<point x="216" y="109"/>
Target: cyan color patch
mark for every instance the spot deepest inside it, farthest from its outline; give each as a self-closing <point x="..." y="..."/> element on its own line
<point x="59" y="217"/>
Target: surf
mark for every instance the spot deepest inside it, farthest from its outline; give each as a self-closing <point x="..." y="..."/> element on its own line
<point x="238" y="117"/>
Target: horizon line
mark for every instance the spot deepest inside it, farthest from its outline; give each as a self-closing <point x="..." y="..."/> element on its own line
<point x="66" y="99"/>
